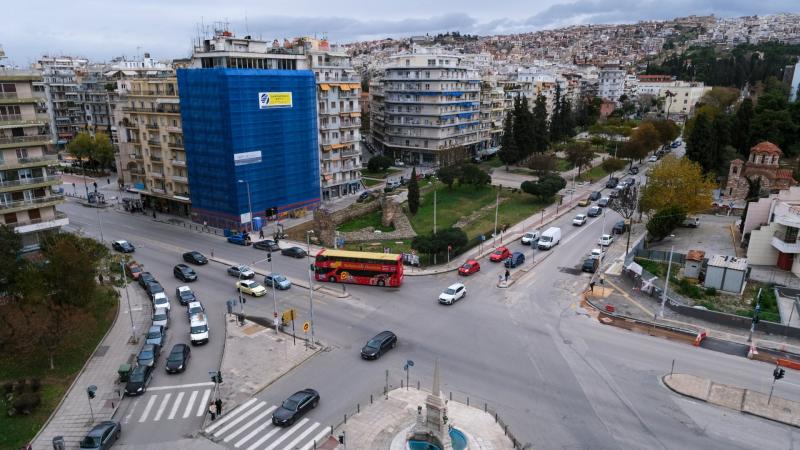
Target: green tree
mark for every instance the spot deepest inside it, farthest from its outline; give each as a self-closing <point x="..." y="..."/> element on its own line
<point x="556" y="132"/>
<point x="448" y="175"/>
<point x="741" y="131"/>
<point x="413" y="192"/>
<point x="667" y="130"/>
<point x="542" y="163"/>
<point x="473" y="175"/>
<point x="508" y="152"/>
<point x="611" y="165"/>
<point x="701" y="143"/>
<point x="103" y="150"/>
<point x="545" y="187"/>
<point x="579" y="154"/>
<point x="523" y="128"/>
<point x="379" y="163"/>
<point x="720" y="98"/>
<point x="664" y="221"/>
<point x="10" y="261"/>
<point x="81" y="147"/>
<point x="540" y="128"/>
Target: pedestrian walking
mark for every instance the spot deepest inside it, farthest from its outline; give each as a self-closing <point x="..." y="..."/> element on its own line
<point x="100" y="277"/>
<point x="261" y="233"/>
<point x="507" y="274"/>
<point x="499" y="277"/>
<point x="212" y="411"/>
<point x="218" y="405"/>
<point x="108" y="180"/>
<point x="591" y="286"/>
<point x="212" y="252"/>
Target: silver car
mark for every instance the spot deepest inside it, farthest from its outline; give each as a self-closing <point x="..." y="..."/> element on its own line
<point x="281" y="282"/>
<point x="161" y="317"/>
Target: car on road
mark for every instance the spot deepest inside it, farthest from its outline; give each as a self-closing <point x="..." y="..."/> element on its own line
<point x="184" y="273"/>
<point x="652" y="158"/>
<point x="194" y="257"/>
<point x="294" y="252"/>
<point x="590" y="265"/>
<point x="178" y="358"/>
<point x="516" y="259"/>
<point x="184" y="295"/>
<point x="469" y="267"/>
<point x="605" y="240"/>
<point x="612" y="182"/>
<point x="145" y="278"/>
<point x="628" y="182"/>
<point x="595" y="196"/>
<point x="153" y="288"/>
<point x="594" y="211"/>
<point x="138" y="380"/>
<point x="251" y="287"/>
<point x="378" y="345"/>
<point x="268" y="245"/>
<point x="194" y="308"/>
<point x="241" y="271"/>
<point x="123" y="246"/>
<point x="619" y="227"/>
<point x="148" y="355"/>
<point x="633" y="170"/>
<point x="362" y="197"/>
<point x="160" y="300"/>
<point x="579" y="220"/>
<point x="614" y="193"/>
<point x="452" y="294"/>
<point x="500" y="254"/>
<point x="280" y="281"/>
<point x="134" y="270"/>
<point x="603" y="202"/>
<point x="102" y="436"/>
<point x="161" y="317"/>
<point x="530" y="238"/>
<point x="691" y="222"/>
<point x="399" y="163"/>
<point x="585" y="202"/>
<point x="597" y="253"/>
<point x="156" y="334"/>
<point x="240" y="239"/>
<point x="198" y="329"/>
<point x="295" y="406"/>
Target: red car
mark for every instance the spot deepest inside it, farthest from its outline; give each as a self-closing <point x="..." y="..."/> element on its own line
<point x="500" y="254"/>
<point x="469" y="267"/>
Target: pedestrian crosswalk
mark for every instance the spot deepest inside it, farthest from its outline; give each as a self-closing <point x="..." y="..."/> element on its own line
<point x="249" y="427"/>
<point x="162" y="405"/>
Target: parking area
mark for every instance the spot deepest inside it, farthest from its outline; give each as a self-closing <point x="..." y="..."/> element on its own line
<point x="713" y="236"/>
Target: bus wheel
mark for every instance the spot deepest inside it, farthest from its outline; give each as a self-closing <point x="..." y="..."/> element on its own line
<point x="332" y="279"/>
<point x="380" y="283"/>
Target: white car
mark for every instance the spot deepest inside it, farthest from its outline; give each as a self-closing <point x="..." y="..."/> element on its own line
<point x="161" y="317"/>
<point x="597" y="252"/>
<point x="160" y="300"/>
<point x="653" y="158"/>
<point x="605" y="240"/>
<point x="579" y="220"/>
<point x="530" y="238"/>
<point x="452" y="294"/>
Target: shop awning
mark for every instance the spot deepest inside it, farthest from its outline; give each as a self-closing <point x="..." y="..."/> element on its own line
<point x="324" y="87"/>
<point x="344" y="87"/>
<point x="355" y="86"/>
<point x="326" y="148"/>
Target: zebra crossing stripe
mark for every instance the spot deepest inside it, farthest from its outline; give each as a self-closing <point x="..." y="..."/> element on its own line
<point x="317" y="439"/>
<point x="162" y="407"/>
<point x="203" y="406"/>
<point x="148" y="408"/>
<point x="241" y="429"/>
<point x="253" y="433"/>
<point x="240" y="418"/>
<point x="189" y="405"/>
<point x="230" y="415"/>
<point x="302" y="435"/>
<point x="264" y="438"/>
<point x="175" y="406"/>
<point x="286" y="435"/>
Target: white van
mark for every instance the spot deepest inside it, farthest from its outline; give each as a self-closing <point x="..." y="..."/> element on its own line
<point x="530" y="238"/>
<point x="198" y="329"/>
<point x="550" y="238"/>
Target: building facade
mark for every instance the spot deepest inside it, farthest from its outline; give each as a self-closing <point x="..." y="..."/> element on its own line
<point x="763" y="163"/>
<point x="28" y="173"/>
<point x="61" y="78"/>
<point x="612" y="83"/>
<point x="773" y="225"/>
<point x="251" y="143"/>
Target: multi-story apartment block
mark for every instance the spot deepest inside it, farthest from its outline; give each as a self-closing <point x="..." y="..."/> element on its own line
<point x="225" y="50"/>
<point x="679" y="97"/>
<point x="612" y="83"/>
<point x="494" y="105"/>
<point x="61" y="77"/>
<point x="98" y="99"/>
<point x="27" y="170"/>
<point x="429" y="103"/>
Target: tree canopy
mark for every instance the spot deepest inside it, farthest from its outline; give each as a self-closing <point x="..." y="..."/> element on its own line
<point x="677" y="182"/>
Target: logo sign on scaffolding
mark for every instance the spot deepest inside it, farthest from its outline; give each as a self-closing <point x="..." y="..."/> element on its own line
<point x="274" y="100"/>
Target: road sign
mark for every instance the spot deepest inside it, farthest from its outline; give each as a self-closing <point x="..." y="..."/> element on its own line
<point x="306" y="326"/>
<point x="410" y="363"/>
<point x="288" y="315"/>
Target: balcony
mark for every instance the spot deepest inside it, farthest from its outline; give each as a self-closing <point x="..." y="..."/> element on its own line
<point x="157" y="175"/>
<point x="135" y="156"/>
<point x="152" y="126"/>
<point x="180" y="179"/>
<point x="154" y="143"/>
<point x="30" y="183"/>
<point x="44" y="160"/>
<point x="31" y="225"/>
<point x="20" y="205"/>
<point x="178" y="145"/>
<point x="152" y="110"/>
<point x="178" y="163"/>
<point x="350" y="152"/>
<point x="787" y="214"/>
<point x="785" y="241"/>
<point x="15" y="141"/>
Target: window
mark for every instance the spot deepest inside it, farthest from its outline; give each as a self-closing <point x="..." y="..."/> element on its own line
<point x="34" y="214"/>
<point x="27" y="195"/>
<point x="22" y="153"/>
<point x="25" y="174"/>
<point x="8" y="88"/>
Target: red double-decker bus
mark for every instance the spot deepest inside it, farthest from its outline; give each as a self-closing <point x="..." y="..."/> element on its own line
<point x="344" y="266"/>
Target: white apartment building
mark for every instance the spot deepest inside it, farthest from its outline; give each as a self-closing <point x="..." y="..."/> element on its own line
<point x="680" y="97"/>
<point x="774" y="227"/>
<point x="61" y="77"/>
<point x="612" y="83"/>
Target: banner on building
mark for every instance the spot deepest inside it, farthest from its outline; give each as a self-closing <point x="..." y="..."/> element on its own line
<point x="241" y="159"/>
<point x="274" y="100"/>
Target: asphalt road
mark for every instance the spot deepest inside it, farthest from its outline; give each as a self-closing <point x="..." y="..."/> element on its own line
<point x="557" y="377"/>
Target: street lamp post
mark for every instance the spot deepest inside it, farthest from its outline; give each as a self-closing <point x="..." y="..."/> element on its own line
<point x="249" y="203"/>
<point x="666" y="282"/>
<point x="274" y="298"/>
<point x="310" y="285"/>
<point x="128" y="296"/>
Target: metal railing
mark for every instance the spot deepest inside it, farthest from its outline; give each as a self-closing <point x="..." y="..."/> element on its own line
<point x="58" y="216"/>
<point x="180" y="179"/>
<point x="30" y="181"/>
<point x="175" y="144"/>
<point x="33" y="201"/>
<point x="23" y="139"/>
<point x="179" y="162"/>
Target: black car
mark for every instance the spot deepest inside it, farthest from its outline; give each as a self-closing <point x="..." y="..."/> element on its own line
<point x="184" y="273"/>
<point x="295" y="406"/>
<point x="376" y="346"/>
<point x="195" y="258"/>
<point x="267" y="244"/>
<point x="138" y="381"/>
<point x="185" y="295"/>
<point x="612" y="182"/>
<point x="595" y="196"/>
<point x="594" y="211"/>
<point x="146" y="278"/>
<point x="102" y="436"/>
<point x="178" y="358"/>
<point x="590" y="265"/>
<point x="123" y="246"/>
<point x="148" y="355"/>
<point x="363" y="196"/>
<point x="153" y="287"/>
<point x="619" y="227"/>
<point x="295" y="252"/>
<point x="633" y="170"/>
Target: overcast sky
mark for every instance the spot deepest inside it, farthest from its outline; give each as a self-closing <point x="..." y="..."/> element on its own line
<point x="103" y="29"/>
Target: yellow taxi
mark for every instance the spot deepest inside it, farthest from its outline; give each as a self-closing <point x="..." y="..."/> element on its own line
<point x="251" y="287"/>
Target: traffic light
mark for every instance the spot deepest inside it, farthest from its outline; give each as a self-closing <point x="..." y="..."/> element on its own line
<point x="219" y="377"/>
<point x="269" y="256"/>
<point x="778" y="373"/>
<point x="91" y="394"/>
<point x="341" y="438"/>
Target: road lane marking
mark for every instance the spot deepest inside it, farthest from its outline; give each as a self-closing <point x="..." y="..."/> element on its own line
<point x="162" y="407"/>
<point x="286" y="435"/>
<point x="181" y="386"/>
<point x="317" y="438"/>
<point x="240" y="418"/>
<point x="175" y="406"/>
<point x="130" y="412"/>
<point x="148" y="408"/>
<point x="190" y="404"/>
<point x="203" y="406"/>
<point x="302" y="435"/>
<point x="252" y="433"/>
<point x="264" y="438"/>
<point x="249" y="424"/>
<point x="230" y="415"/>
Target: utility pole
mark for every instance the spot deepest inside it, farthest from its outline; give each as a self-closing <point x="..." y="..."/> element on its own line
<point x="496" y="209"/>
<point x="274" y="299"/>
<point x="434" y="208"/>
<point x="310" y="286"/>
<point x="666" y="283"/>
<point x="128" y="296"/>
<point x="755" y="316"/>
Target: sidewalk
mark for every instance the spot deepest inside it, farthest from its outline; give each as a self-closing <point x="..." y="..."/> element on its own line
<point x="71" y="418"/>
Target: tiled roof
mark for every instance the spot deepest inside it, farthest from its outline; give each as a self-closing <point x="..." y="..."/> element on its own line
<point x="695" y="255"/>
<point x="766" y="147"/>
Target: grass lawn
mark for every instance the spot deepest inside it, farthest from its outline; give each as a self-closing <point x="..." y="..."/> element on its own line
<point x="562" y="165"/>
<point x="395" y="246"/>
<point x="372" y="219"/>
<point x="592" y="175"/>
<point x="369" y="182"/>
<point x="381" y="175"/>
<point x="492" y="162"/>
<point x="76" y="348"/>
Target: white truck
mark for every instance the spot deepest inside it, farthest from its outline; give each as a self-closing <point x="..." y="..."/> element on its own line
<point x="550" y="238"/>
<point x="198" y="329"/>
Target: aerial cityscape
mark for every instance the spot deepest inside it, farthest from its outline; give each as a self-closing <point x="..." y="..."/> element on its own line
<point x="571" y="226"/>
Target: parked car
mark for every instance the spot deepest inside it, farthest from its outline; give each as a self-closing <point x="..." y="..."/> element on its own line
<point x="267" y="244"/>
<point x="123" y="246"/>
<point x="614" y="193"/>
<point x="652" y="158"/>
<point x="193" y="309"/>
<point x="160" y="300"/>
<point x="178" y="358"/>
<point x="281" y="282"/>
<point x="198" y="329"/>
<point x="605" y="240"/>
<point x="597" y="253"/>
<point x="530" y="238"/>
<point x="619" y="227"/>
<point x="550" y="238"/>
<point x="148" y="355"/>
<point x="612" y="182"/>
<point x="138" y="380"/>
<point x="628" y="182"/>
<point x="251" y="287"/>
<point x="240" y="239"/>
<point x="500" y="254"/>
<point x="515" y="260"/>
<point x="633" y="170"/>
<point x="241" y="271"/>
<point x="294" y="252"/>
<point x="184" y="273"/>
<point x="102" y="436"/>
<point x="603" y="202"/>
<point x="590" y="265"/>
<point x="376" y="346"/>
<point x="595" y="196"/>
<point x="134" y="270"/>
<point x="294" y="407"/>
<point x="362" y="197"/>
<point x="156" y="335"/>
<point x="154" y="288"/>
<point x="452" y="294"/>
<point x="579" y="220"/>
<point x="469" y="267"/>
<point x="194" y="257"/>
<point x="399" y="163"/>
<point x="184" y="295"/>
<point x="594" y="211"/>
<point x="161" y="317"/>
<point x="585" y="202"/>
<point x="691" y="222"/>
<point x="145" y="278"/>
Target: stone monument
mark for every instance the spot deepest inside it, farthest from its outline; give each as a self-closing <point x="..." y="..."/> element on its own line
<point x="433" y="429"/>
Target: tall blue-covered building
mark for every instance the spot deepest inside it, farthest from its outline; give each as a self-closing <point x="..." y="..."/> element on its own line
<point x="249" y="128"/>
